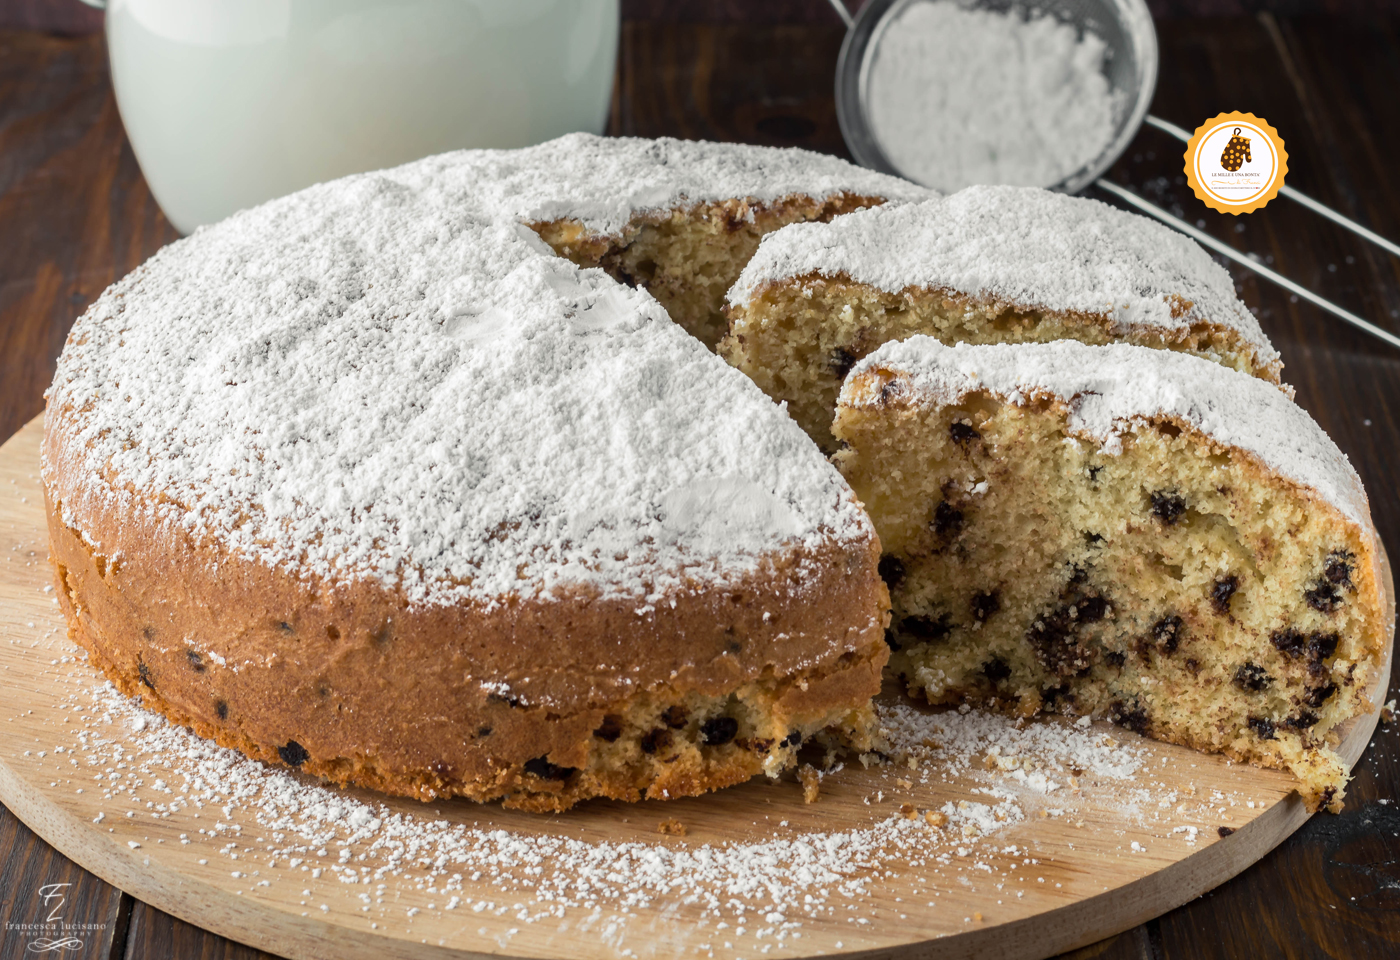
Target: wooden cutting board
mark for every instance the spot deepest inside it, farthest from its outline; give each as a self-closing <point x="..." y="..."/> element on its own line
<point x="991" y="847"/>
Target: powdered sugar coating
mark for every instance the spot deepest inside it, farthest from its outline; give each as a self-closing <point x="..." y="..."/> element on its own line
<point x="1110" y="388"/>
<point x="605" y="181"/>
<point x="1022" y="246"/>
<point x="390" y="376"/>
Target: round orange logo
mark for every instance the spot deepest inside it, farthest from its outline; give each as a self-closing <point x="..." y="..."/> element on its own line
<point x="1235" y="162"/>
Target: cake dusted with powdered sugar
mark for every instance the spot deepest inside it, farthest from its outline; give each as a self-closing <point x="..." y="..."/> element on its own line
<point x="1122" y="532"/>
<point x="984" y="265"/>
<point x="372" y="482"/>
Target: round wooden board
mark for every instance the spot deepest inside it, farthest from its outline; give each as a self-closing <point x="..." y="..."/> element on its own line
<point x="1070" y="866"/>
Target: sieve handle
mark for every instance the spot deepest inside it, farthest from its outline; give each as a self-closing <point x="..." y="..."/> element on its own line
<point x="1201" y="237"/>
<point x="846" y="17"/>
<point x="1315" y="206"/>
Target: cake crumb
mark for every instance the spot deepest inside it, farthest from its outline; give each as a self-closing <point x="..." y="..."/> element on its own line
<point x="671" y="828"/>
<point x="811" y="779"/>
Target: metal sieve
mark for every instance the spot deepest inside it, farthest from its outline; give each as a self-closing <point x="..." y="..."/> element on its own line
<point x="1130" y="65"/>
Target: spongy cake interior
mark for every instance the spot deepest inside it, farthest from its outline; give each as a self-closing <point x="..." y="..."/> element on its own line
<point x="1175" y="588"/>
<point x="798" y="338"/>
<point x="689" y="257"/>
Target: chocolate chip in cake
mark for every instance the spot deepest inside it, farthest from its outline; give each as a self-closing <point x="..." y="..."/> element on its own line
<point x="1263" y="727"/>
<point x="1167" y="632"/>
<point x="1337" y="569"/>
<point x="841" y="361"/>
<point x="144" y="672"/>
<point x="1115" y="658"/>
<point x="1289" y="642"/>
<point x="792" y="739"/>
<point x="1302" y="720"/>
<point x="717" y="731"/>
<point x="284" y="626"/>
<point x="293" y="754"/>
<point x="196" y="661"/>
<point x="610" y="729"/>
<point x="983" y="605"/>
<point x="1050" y="695"/>
<point x="658" y="739"/>
<point x="947" y="520"/>
<point x="1058" y="650"/>
<point x="1224" y="832"/>
<point x="890" y="391"/>
<point x="1193" y="666"/>
<point x="542" y="768"/>
<point x="1317" y="696"/>
<point x="221" y="708"/>
<point x="1251" y="676"/>
<point x="963" y="433"/>
<point x="1168" y="507"/>
<point x="926" y="628"/>
<point x="1091" y="609"/>
<point x="996" y="670"/>
<point x="1094" y="474"/>
<point x="1322" y="596"/>
<point x="1133" y="718"/>
<point x="675" y="717"/>
<point x="1222" y="592"/>
<point x="891" y="570"/>
<point x="890" y="640"/>
<point x="1321" y="646"/>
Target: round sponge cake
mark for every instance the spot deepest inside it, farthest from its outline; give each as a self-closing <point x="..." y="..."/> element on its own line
<point x="371" y="482"/>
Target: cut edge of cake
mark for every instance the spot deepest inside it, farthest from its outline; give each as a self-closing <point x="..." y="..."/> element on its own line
<point x="1031" y="568"/>
<point x="985" y="265"/>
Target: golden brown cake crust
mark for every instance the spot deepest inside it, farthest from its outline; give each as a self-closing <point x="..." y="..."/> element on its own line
<point x="464" y="551"/>
<point x="349" y="682"/>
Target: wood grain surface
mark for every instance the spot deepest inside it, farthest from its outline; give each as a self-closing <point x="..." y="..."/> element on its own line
<point x="75" y="215"/>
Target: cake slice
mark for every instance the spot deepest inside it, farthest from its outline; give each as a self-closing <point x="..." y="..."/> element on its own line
<point x="680" y="218"/>
<point x="985" y="265"/>
<point x="1119" y="532"/>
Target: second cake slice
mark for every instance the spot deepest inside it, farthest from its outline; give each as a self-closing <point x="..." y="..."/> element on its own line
<point x="1122" y="532"/>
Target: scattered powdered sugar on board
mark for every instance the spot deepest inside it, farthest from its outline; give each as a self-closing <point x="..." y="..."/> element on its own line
<point x="1111" y="389"/>
<point x="1031" y="754"/>
<point x="773" y="878"/>
<point x="956" y="809"/>
<point x="960" y="96"/>
<point x="1024" y="247"/>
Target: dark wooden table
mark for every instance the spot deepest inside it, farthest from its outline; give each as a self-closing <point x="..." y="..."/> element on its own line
<point x="75" y="215"/>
